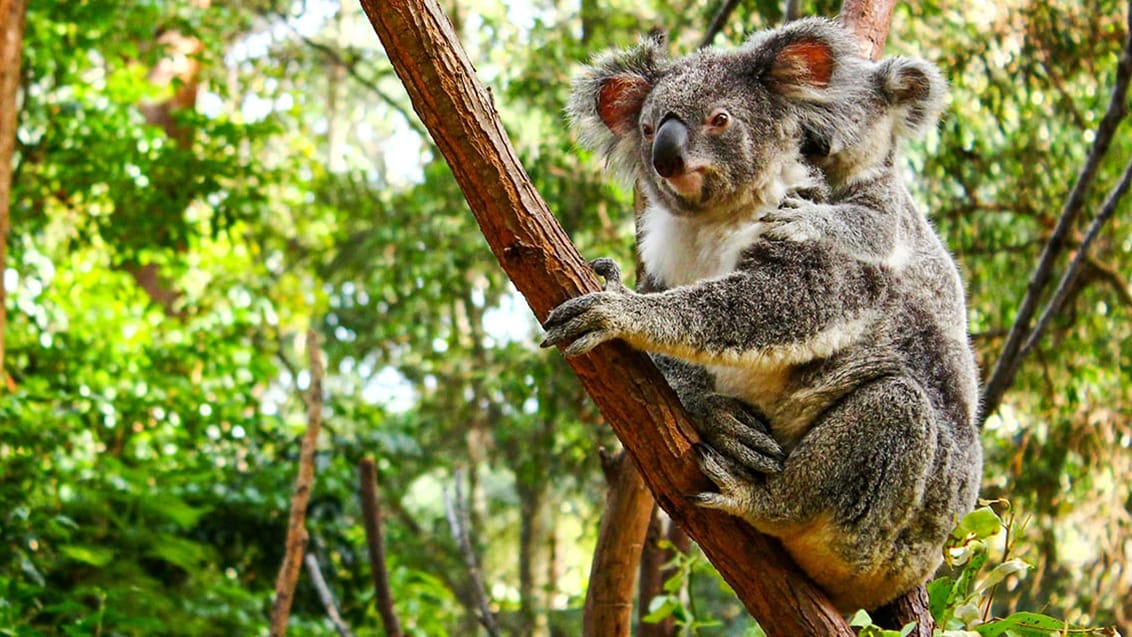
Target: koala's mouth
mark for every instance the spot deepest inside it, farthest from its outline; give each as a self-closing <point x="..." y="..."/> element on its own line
<point x="688" y="185"/>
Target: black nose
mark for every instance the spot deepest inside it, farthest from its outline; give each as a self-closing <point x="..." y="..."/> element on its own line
<point x="668" y="148"/>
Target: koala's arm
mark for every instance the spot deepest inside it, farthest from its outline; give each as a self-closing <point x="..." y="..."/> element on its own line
<point x="787" y="303"/>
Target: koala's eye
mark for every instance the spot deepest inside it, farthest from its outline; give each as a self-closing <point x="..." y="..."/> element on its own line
<point x="719" y="119"/>
<point x="647" y="129"/>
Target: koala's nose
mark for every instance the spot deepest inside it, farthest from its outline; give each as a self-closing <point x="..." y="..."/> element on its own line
<point x="668" y="148"/>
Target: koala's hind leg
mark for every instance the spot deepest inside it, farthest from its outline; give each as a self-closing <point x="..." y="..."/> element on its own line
<point x="853" y="504"/>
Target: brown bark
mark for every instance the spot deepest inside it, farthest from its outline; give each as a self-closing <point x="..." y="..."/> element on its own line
<point x="911" y="607"/>
<point x="371" y="518"/>
<point x="609" y="596"/>
<point x="12" y="15"/>
<point x="296" y="528"/>
<point x="869" y="19"/>
<point x="545" y="267"/>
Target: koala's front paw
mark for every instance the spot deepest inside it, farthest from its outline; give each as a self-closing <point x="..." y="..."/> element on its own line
<point x="738" y="431"/>
<point x="734" y="484"/>
<point x="584" y="322"/>
<point x="792" y="221"/>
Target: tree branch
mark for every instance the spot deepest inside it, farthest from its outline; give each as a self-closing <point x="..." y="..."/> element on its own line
<point x="1070" y="276"/>
<point x="371" y="518"/>
<point x="351" y="69"/>
<point x="12" y="16"/>
<point x="458" y="520"/>
<point x="609" y="594"/>
<point x="869" y="20"/>
<point x="326" y="596"/>
<point x="296" y="528"/>
<point x="1011" y="358"/>
<point x="546" y="268"/>
<point x="1115" y="280"/>
<point x="725" y="10"/>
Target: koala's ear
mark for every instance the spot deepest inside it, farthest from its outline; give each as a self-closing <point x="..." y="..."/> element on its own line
<point x="606" y="100"/>
<point x="619" y="101"/>
<point x="802" y="66"/>
<point x="799" y="60"/>
<point x="915" y="90"/>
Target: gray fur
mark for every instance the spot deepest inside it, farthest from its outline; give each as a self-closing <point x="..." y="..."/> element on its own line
<point x="806" y="291"/>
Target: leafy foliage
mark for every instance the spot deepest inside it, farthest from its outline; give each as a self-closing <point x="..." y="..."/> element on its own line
<point x="161" y="273"/>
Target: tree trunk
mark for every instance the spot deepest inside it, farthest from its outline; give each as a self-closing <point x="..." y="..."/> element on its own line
<point x="12" y="15"/>
<point x="547" y="269"/>
<point x="628" y="507"/>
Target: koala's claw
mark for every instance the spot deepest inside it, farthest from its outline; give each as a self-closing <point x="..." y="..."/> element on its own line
<point x="749" y="460"/>
<point x="791" y="222"/>
<point x="580" y="324"/>
<point x="732" y="481"/>
<point x="737" y="430"/>
<point x="608" y="269"/>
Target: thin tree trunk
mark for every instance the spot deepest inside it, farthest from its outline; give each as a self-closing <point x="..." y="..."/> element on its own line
<point x="296" y="528"/>
<point x="869" y="20"/>
<point x="544" y="266"/>
<point x="375" y="540"/>
<point x="532" y="530"/>
<point x="12" y="16"/>
<point x="628" y="507"/>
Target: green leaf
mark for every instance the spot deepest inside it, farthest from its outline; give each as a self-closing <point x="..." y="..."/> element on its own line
<point x="1023" y="624"/>
<point x="939" y="590"/>
<point x="860" y="619"/>
<point x="94" y="555"/>
<point x="981" y="523"/>
<point x="661" y="608"/>
<point x="1002" y="571"/>
<point x="176" y="510"/>
<point x="180" y="552"/>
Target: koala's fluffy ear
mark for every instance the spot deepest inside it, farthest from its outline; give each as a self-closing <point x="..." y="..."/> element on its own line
<point x="915" y="90"/>
<point x="619" y="101"/>
<point x="606" y="99"/>
<point x="798" y="61"/>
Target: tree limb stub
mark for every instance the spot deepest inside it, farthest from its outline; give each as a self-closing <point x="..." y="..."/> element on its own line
<point x="547" y="269"/>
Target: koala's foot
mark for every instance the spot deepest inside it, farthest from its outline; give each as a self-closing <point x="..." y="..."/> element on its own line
<point x="734" y="483"/>
<point x="738" y="431"/>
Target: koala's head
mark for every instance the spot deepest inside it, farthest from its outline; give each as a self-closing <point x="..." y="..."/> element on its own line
<point x="713" y="131"/>
<point x="721" y="129"/>
<point x="898" y="98"/>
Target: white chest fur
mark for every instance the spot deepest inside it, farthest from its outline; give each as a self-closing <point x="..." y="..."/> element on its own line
<point x="681" y="251"/>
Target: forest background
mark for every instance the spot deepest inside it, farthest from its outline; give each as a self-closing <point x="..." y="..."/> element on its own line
<point x="196" y="184"/>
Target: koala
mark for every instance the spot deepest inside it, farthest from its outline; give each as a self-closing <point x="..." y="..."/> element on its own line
<point x="806" y="312"/>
